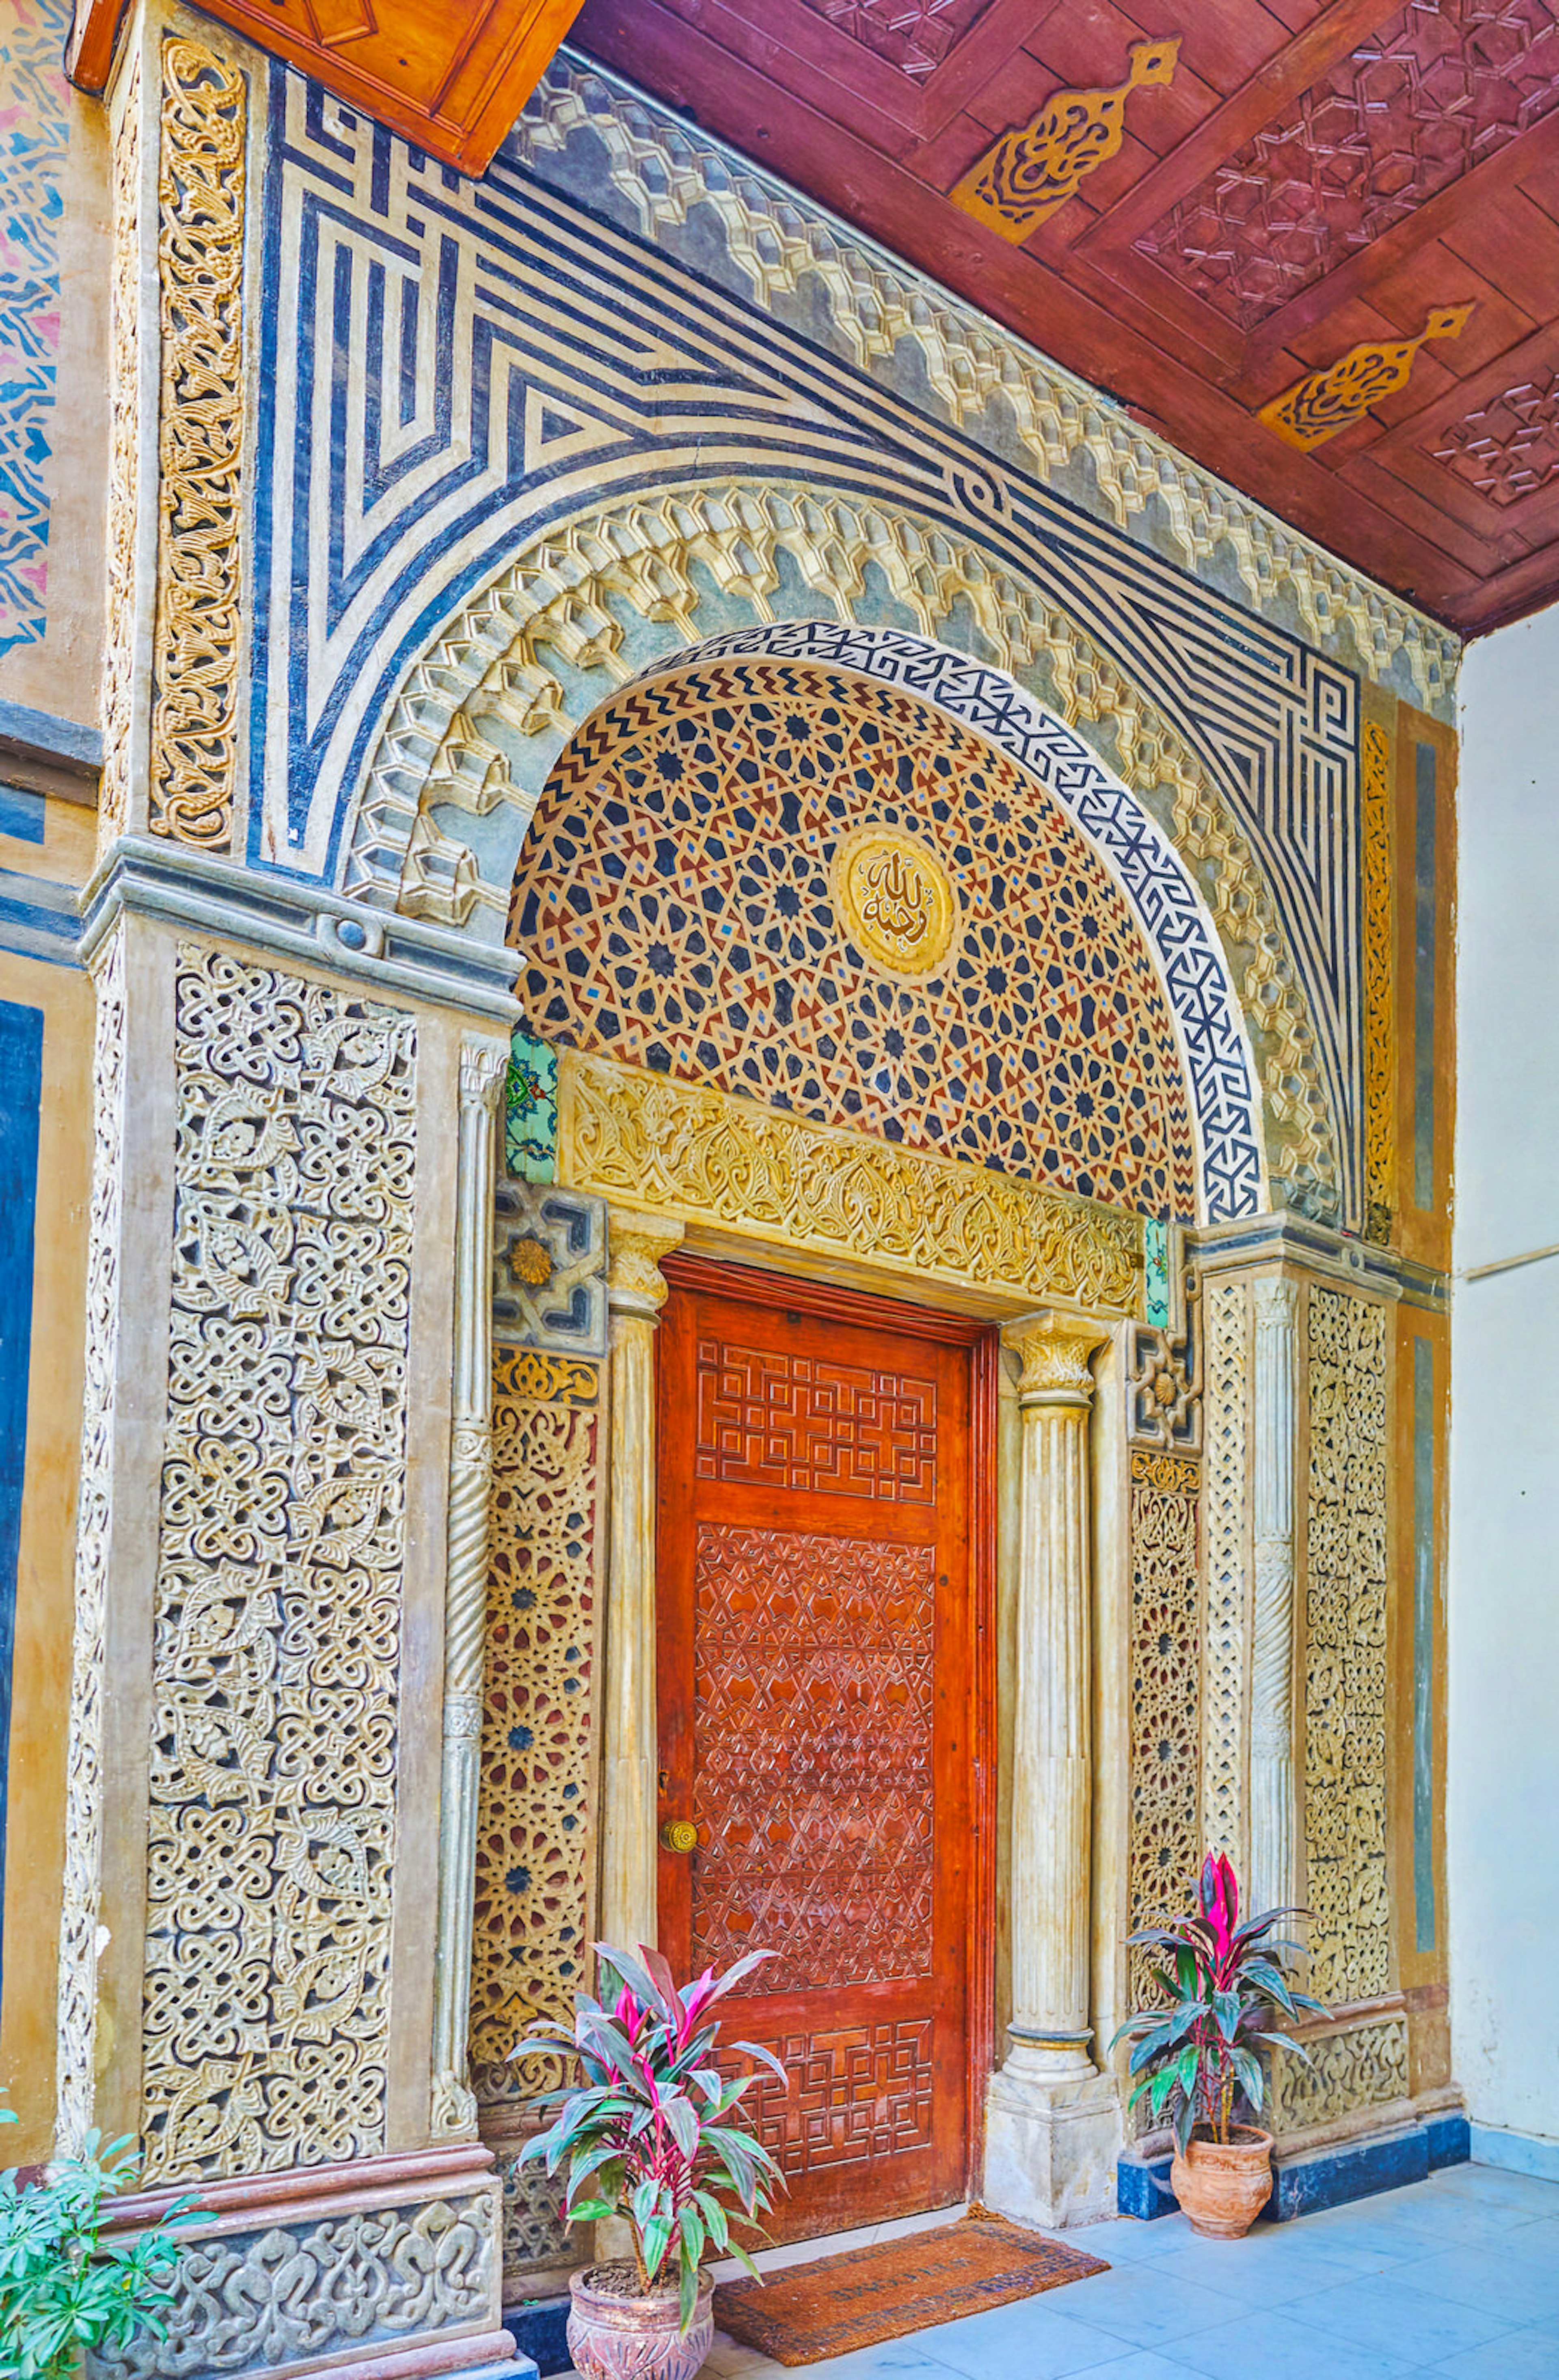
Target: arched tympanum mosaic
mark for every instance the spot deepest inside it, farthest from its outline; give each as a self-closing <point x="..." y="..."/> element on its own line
<point x="816" y="890"/>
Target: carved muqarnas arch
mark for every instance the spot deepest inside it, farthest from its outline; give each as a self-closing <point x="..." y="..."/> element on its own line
<point x="680" y="904"/>
<point x="481" y="719"/>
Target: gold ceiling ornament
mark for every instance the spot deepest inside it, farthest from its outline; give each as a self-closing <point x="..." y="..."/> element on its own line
<point x="895" y="899"/>
<point x="1030" y="174"/>
<point x="1316" y="407"/>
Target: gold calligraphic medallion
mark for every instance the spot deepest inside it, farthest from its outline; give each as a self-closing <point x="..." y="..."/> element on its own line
<point x="895" y="900"/>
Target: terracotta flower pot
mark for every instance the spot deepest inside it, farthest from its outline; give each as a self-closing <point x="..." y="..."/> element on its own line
<point x="1222" y="2190"/>
<point x="613" y="2334"/>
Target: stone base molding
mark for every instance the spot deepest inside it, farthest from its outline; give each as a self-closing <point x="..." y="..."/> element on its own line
<point x="387" y="2266"/>
<point x="1051" y="2140"/>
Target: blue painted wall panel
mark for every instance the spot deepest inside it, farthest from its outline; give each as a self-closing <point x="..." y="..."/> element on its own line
<point x="21" y="1082"/>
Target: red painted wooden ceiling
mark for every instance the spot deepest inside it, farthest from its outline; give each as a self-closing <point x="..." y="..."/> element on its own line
<point x="1297" y="182"/>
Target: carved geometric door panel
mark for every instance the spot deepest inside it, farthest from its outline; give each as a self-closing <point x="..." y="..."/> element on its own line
<point x="814" y="1681"/>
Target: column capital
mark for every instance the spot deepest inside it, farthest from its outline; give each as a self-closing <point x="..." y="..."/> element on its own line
<point x="1054" y="1350"/>
<point x="636" y="1242"/>
<point x="483" y="1067"/>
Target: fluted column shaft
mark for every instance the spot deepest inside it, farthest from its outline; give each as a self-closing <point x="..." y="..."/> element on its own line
<point x="1051" y="1774"/>
<point x="636" y="1293"/>
<point x="1274" y="1405"/>
<point x="470" y="1470"/>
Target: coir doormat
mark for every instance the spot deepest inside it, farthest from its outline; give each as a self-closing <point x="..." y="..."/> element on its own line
<point x="804" y="2312"/>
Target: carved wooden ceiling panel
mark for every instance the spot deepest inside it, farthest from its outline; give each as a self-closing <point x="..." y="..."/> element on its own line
<point x="1316" y="245"/>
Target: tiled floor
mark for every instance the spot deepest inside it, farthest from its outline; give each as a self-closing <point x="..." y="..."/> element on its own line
<point x="1458" y="2276"/>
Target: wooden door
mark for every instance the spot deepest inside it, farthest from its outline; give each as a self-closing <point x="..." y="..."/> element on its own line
<point x="816" y="1676"/>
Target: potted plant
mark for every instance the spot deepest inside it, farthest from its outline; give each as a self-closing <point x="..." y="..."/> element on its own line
<point x="651" y="2132"/>
<point x="63" y="2291"/>
<point x="1196" y="2055"/>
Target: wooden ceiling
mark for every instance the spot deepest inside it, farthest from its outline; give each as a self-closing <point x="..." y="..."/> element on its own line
<point x="1316" y="246"/>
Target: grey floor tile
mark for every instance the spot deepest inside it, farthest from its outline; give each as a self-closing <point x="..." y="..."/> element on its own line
<point x="1128" y="2241"/>
<point x="1390" y="2315"/>
<point x="1493" y="2186"/>
<point x="1276" y="2347"/>
<point x="1523" y="2292"/>
<point x="1534" y="2242"/>
<point x="1519" y="2355"/>
<point x="1031" y="2340"/>
<point x="1138" y="2304"/>
<point x="1253" y="2272"/>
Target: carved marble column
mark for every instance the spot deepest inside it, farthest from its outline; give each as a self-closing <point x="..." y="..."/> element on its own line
<point x="1274" y="1408"/>
<point x="1053" y="2125"/>
<point x="470" y="1464"/>
<point x="636" y="1293"/>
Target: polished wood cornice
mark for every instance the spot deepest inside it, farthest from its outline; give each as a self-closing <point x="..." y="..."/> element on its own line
<point x="452" y="79"/>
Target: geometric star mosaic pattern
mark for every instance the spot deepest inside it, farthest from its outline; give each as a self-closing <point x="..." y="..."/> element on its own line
<point x="674" y="909"/>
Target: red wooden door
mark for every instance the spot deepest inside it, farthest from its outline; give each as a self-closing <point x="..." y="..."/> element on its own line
<point x="815" y="1678"/>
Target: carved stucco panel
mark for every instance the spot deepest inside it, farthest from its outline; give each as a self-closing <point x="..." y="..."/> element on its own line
<point x="277" y="1633"/>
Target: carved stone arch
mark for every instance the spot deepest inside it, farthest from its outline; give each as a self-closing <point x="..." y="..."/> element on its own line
<point x="612" y="595"/>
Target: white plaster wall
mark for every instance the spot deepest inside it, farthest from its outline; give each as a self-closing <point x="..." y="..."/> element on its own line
<point x="1504" y="1581"/>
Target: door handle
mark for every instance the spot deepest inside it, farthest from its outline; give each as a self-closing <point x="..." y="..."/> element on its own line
<point x="679" y="1834"/>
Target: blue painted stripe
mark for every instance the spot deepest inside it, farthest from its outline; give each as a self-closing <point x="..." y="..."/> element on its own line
<point x="42" y="731"/>
<point x="21" y="814"/>
<point x="21" y="1088"/>
<point x="38" y="920"/>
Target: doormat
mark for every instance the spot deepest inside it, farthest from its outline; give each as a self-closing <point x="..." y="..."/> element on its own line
<point x="804" y="2312"/>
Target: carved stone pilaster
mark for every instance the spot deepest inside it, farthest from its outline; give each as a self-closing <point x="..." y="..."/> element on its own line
<point x="636" y="1293"/>
<point x="470" y="1464"/>
<point x="1273" y="1410"/>
<point x="1052" y="2124"/>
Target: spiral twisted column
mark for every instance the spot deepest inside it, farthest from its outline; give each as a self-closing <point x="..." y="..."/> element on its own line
<point x="482" y="1065"/>
<point x="1051" y="2119"/>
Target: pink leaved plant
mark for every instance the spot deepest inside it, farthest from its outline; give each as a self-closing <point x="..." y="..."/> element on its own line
<point x="652" y="2131"/>
<point x="1224" y="1985"/>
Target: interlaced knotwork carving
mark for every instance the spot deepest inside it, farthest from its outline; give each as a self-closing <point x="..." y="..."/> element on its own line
<point x="1226" y="1306"/>
<point x="277" y="1633"/>
<point x="81" y="1887"/>
<point x="1380" y="990"/>
<point x="200" y="437"/>
<point x="536" y="2238"/>
<point x="270" y="2297"/>
<point x="812" y="1663"/>
<point x="1364" y="2067"/>
<point x="1345" y="1650"/>
<point x="536" y="1811"/>
<point x="123" y="415"/>
<point x="1166" y="1839"/>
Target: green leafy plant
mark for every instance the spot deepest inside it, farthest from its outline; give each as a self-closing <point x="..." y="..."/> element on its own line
<point x="652" y="2131"/>
<point x="1195" y="2055"/>
<point x="63" y="2288"/>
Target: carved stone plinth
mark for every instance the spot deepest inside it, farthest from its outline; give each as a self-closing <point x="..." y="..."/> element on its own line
<point x="1053" y="2134"/>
